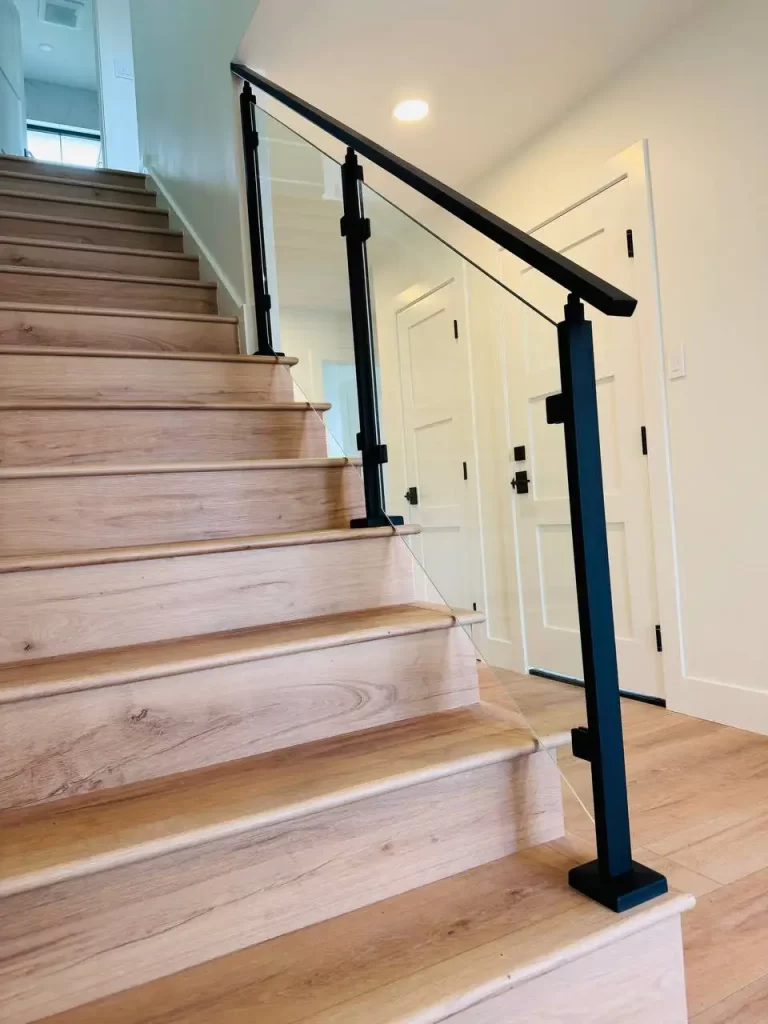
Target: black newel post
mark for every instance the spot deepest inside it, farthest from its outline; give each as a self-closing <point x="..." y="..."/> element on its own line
<point x="356" y="230"/>
<point x="614" y="879"/>
<point x="263" y="301"/>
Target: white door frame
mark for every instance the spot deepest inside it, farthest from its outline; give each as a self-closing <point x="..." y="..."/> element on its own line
<point x="633" y="166"/>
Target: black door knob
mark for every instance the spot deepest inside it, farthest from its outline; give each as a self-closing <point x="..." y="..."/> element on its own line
<point x="412" y="496"/>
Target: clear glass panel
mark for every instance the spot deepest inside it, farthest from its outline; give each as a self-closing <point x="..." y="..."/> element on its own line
<point x="444" y="330"/>
<point x="59" y="147"/>
<point x="44" y="146"/>
<point x="301" y="186"/>
<point x="81" y="152"/>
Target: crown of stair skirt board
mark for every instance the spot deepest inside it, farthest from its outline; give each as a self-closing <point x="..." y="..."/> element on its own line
<point x="57" y="434"/>
<point x="88" y="232"/>
<point x="195" y="867"/>
<point x="82" y="209"/>
<point x="117" y="717"/>
<point x="109" y="291"/>
<point x="80" y="327"/>
<point x="77" y="509"/>
<point x="74" y="188"/>
<point x="23" y="165"/>
<point x="94" y="600"/>
<point x="82" y="375"/>
<point x="46" y="254"/>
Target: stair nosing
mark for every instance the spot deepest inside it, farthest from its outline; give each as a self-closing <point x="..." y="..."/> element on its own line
<point x="46" y="179"/>
<point x="17" y="693"/>
<point x="42" y="198"/>
<point x="509" y="745"/>
<point x="122" y="353"/>
<point x="108" y="225"/>
<point x="160" y="468"/>
<point x="117" y="250"/>
<point x="141" y="314"/>
<point x="191" y="549"/>
<point x="94" y="275"/>
<point x="27" y="162"/>
<point x="109" y="404"/>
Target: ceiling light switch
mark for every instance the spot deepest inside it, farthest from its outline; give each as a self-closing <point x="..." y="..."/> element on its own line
<point x="676" y="362"/>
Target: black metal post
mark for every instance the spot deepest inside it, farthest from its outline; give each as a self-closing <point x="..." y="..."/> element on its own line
<point x="263" y="301"/>
<point x="356" y="230"/>
<point x="614" y="879"/>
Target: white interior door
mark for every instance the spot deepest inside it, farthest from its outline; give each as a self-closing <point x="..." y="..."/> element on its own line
<point x="437" y="426"/>
<point x="594" y="234"/>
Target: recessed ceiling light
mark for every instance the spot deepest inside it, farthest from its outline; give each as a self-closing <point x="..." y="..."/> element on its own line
<point x="411" y="110"/>
<point x="46" y="47"/>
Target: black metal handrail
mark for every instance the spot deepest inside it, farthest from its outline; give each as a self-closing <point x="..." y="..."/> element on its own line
<point x="587" y="286"/>
<point x="614" y="879"/>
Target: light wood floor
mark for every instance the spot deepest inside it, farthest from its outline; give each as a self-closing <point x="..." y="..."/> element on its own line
<point x="699" y="805"/>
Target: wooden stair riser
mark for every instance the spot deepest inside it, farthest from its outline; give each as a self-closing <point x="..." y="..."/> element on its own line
<point x="50" y="377"/>
<point x="45" y="515"/>
<point x="124" y="179"/>
<point x="52" y="328"/>
<point x="100" y="259"/>
<point x="49" y="612"/>
<point x="79" y="232"/>
<point x="76" y="743"/>
<point x="91" y="436"/>
<point x="102" y="213"/>
<point x="99" y="292"/>
<point x="67" y="944"/>
<point x="61" y="188"/>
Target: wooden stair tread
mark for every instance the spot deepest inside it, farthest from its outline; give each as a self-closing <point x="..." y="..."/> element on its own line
<point x="181" y="549"/>
<point x="89" y="275"/>
<point x="47" y="844"/>
<point x="115" y="353"/>
<point x="76" y="222"/>
<point x="43" y="197"/>
<point x="416" y="958"/>
<point x="44" y="179"/>
<point x="133" y="469"/>
<point x="55" y="243"/>
<point x="199" y="406"/>
<point x="28" y="680"/>
<point x="29" y="162"/>
<point x="141" y="314"/>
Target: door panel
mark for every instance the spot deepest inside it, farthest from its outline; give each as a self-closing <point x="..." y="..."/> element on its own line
<point x="594" y="235"/>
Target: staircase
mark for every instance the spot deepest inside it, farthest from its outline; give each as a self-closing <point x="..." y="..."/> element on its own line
<point x="244" y="774"/>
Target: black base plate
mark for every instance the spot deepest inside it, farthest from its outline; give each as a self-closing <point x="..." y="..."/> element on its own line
<point x="640" y="885"/>
<point x="373" y="523"/>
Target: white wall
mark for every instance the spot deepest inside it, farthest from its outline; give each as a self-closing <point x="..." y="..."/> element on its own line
<point x="189" y="125"/>
<point x="12" y="133"/>
<point x="62" y="104"/>
<point x="699" y="99"/>
<point x="114" y="55"/>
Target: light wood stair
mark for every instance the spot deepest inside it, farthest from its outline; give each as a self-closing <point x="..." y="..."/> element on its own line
<point x="233" y="742"/>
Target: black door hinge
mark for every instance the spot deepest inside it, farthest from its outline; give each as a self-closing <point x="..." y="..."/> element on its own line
<point x="659" y="644"/>
<point x="644" y="440"/>
<point x="456" y="329"/>
<point x="474" y="606"/>
<point x="466" y="471"/>
<point x="630" y="244"/>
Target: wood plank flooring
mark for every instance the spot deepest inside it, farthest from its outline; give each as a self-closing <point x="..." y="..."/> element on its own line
<point x="699" y="805"/>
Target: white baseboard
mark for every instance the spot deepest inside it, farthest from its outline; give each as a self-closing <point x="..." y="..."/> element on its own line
<point x="724" y="703"/>
<point x="231" y="302"/>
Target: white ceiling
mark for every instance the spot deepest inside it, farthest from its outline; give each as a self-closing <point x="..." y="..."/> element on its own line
<point x="73" y="58"/>
<point x="495" y="72"/>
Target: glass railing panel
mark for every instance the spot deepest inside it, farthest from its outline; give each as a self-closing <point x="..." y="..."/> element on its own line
<point x="307" y="270"/>
<point x="442" y="333"/>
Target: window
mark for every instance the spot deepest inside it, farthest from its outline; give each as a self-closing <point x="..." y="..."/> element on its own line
<point x="58" y="145"/>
